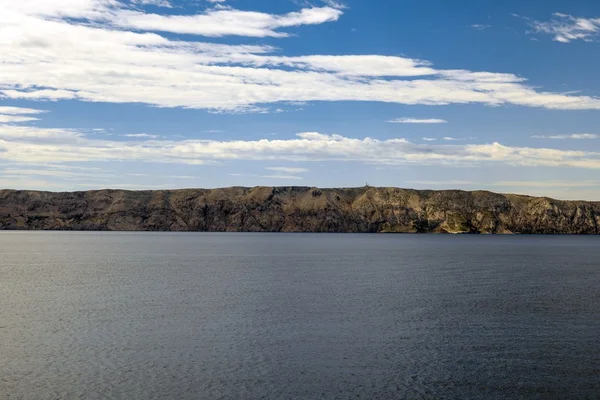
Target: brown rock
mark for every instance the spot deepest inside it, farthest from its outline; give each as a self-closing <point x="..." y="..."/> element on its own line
<point x="297" y="209"/>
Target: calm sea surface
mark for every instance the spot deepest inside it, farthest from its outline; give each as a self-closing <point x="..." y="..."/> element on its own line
<point x="298" y="316"/>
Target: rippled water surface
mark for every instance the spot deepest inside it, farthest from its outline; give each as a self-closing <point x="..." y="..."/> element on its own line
<point x="298" y="316"/>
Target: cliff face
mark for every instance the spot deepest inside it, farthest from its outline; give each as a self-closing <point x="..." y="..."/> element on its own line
<point x="297" y="209"/>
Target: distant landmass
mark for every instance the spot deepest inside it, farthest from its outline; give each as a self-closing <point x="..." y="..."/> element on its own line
<point x="297" y="209"/>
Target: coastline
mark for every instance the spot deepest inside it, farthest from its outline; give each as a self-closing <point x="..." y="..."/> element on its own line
<point x="297" y="209"/>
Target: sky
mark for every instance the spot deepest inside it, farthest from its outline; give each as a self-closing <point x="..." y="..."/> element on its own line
<point x="427" y="94"/>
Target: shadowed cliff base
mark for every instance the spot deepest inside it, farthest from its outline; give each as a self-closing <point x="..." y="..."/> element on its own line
<point x="297" y="209"/>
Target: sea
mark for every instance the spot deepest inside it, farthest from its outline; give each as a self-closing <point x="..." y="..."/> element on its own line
<point x="298" y="316"/>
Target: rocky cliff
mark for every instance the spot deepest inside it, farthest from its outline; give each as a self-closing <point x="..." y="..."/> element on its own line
<point x="297" y="209"/>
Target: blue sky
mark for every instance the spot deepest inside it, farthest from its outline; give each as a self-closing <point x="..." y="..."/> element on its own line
<point x="148" y="94"/>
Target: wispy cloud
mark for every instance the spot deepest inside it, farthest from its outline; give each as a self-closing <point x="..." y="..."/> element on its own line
<point x="29" y="144"/>
<point x="443" y="183"/>
<point x="285" y="177"/>
<point x="566" y="28"/>
<point x="19" y="111"/>
<point x="528" y="183"/>
<point x="62" y="177"/>
<point x="548" y="184"/>
<point x="575" y="136"/>
<point x="453" y="139"/>
<point x="15" y="118"/>
<point x="335" y="4"/>
<point x="418" y="121"/>
<point x="289" y="170"/>
<point x="18" y="114"/>
<point x="225" y="22"/>
<point x="480" y="27"/>
<point x="428" y="139"/>
<point x="158" y="3"/>
<point x="142" y="136"/>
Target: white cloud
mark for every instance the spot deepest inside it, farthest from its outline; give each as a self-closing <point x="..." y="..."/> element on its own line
<point x="453" y="139"/>
<point x="547" y="184"/>
<point x="442" y="183"/>
<point x="39" y="158"/>
<point x="288" y="170"/>
<point x="480" y="27"/>
<point x="142" y="135"/>
<point x="15" y="118"/>
<point x="91" y="61"/>
<point x="27" y="144"/>
<point x="427" y="139"/>
<point x="58" y="173"/>
<point x="513" y="184"/>
<point x="19" y="111"/>
<point x="45" y="94"/>
<point x="158" y="3"/>
<point x="47" y="166"/>
<point x="181" y="177"/>
<point x="418" y="121"/>
<point x="335" y="4"/>
<point x="353" y="66"/>
<point x="60" y="177"/>
<point x="222" y="22"/>
<point x="565" y="28"/>
<point x="576" y="136"/>
<point x="286" y="177"/>
<point x="26" y="133"/>
<point x="57" y="8"/>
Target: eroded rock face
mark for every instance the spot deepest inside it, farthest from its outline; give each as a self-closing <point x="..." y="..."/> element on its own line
<point x="297" y="209"/>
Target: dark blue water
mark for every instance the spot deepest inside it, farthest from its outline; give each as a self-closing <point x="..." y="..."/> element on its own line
<point x="298" y="316"/>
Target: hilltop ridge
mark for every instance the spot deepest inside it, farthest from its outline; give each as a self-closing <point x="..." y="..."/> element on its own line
<point x="297" y="209"/>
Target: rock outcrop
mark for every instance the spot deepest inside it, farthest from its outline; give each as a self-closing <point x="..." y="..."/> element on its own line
<point x="297" y="209"/>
